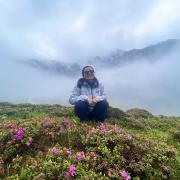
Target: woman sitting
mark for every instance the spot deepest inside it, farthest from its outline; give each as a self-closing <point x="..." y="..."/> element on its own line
<point x="89" y="97"/>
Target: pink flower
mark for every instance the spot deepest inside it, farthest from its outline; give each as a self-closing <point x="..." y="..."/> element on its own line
<point x="29" y="141"/>
<point x="1" y="161"/>
<point x="67" y="174"/>
<point x="115" y="129"/>
<point x="61" y="129"/>
<point x="51" y="134"/>
<point x="18" y="137"/>
<point x="19" y="133"/>
<point x="67" y="123"/>
<point x="70" y="172"/>
<point x="10" y="126"/>
<point x="102" y="128"/>
<point x="54" y="151"/>
<point x="46" y="122"/>
<point x="68" y="153"/>
<point x="125" y="175"/>
<point x="79" y="155"/>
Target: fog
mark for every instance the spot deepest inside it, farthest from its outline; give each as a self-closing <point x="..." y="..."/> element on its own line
<point x="72" y="32"/>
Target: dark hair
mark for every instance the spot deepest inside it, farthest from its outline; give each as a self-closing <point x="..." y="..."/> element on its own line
<point x="84" y="69"/>
<point x="82" y="80"/>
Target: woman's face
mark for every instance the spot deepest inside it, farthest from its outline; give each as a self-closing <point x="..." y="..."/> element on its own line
<point x="89" y="73"/>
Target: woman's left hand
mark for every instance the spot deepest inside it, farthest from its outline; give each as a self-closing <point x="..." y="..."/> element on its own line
<point x="96" y="99"/>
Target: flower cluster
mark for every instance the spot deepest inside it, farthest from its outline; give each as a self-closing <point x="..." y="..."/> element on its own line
<point x="103" y="129"/>
<point x="125" y="175"/>
<point x="68" y="153"/>
<point x="70" y="172"/>
<point x="54" y="151"/>
<point x="79" y="155"/>
<point x="60" y="127"/>
<point x="67" y="123"/>
<point x="116" y="129"/>
<point x="46" y="122"/>
<point x="19" y="134"/>
<point x="10" y="126"/>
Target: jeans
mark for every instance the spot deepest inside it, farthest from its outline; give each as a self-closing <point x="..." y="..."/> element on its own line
<point x="99" y="112"/>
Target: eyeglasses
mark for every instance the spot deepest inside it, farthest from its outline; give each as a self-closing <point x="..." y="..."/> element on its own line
<point x="89" y="71"/>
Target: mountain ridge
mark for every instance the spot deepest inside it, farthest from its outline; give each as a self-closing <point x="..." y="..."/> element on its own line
<point x="151" y="53"/>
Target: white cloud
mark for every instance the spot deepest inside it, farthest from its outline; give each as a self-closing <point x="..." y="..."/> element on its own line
<point x="85" y="29"/>
<point x="42" y="46"/>
<point x="80" y="23"/>
<point x="162" y="16"/>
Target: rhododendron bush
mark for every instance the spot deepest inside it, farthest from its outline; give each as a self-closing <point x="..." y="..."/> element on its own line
<point x="52" y="146"/>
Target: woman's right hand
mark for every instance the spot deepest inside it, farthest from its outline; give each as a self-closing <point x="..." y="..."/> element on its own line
<point x="90" y="100"/>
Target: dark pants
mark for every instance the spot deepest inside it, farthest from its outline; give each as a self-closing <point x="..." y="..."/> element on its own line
<point x="99" y="112"/>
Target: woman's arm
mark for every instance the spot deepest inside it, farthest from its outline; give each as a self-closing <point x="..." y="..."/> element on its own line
<point x="76" y="96"/>
<point x="102" y="96"/>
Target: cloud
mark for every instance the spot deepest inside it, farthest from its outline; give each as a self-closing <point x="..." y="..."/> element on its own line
<point x="162" y="16"/>
<point x="69" y="30"/>
<point x="42" y="46"/>
<point x="75" y="31"/>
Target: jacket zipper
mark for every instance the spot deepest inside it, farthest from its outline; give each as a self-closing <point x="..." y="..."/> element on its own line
<point x="91" y="93"/>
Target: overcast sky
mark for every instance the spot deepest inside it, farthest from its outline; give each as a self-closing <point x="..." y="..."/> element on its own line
<point x="72" y="31"/>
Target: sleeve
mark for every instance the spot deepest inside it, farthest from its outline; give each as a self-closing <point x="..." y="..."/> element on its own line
<point x="103" y="95"/>
<point x="76" y="96"/>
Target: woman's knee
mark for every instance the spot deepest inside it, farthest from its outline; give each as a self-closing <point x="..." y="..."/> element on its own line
<point x="81" y="105"/>
<point x="102" y="104"/>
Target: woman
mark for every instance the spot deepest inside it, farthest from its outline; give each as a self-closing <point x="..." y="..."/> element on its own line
<point x="89" y="97"/>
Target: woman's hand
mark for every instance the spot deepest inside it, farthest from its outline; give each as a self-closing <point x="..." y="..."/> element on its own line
<point x="90" y="100"/>
<point x="96" y="99"/>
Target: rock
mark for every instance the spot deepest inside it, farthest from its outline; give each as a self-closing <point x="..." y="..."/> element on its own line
<point x="139" y="113"/>
<point x="116" y="113"/>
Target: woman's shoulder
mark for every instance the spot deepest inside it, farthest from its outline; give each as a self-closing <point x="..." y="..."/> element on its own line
<point x="80" y="82"/>
<point x="101" y="85"/>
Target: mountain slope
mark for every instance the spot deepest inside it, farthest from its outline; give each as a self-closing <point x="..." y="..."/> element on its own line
<point x="150" y="53"/>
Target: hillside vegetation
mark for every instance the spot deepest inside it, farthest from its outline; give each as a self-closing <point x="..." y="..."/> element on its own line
<point x="49" y="142"/>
